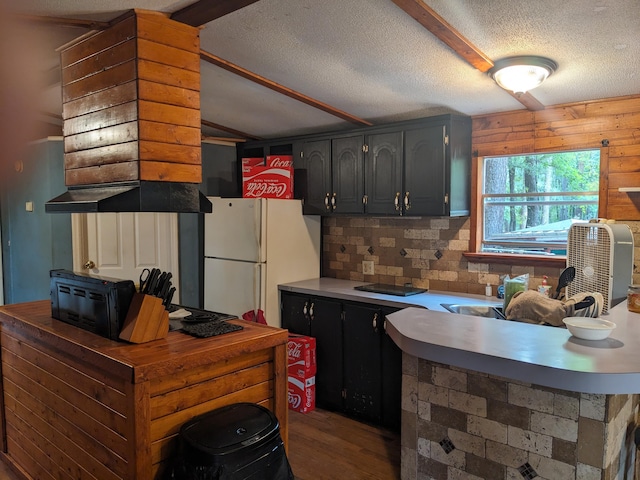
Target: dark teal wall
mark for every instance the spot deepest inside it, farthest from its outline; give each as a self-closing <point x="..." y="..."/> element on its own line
<point x="33" y="243"/>
<point x="219" y="178"/>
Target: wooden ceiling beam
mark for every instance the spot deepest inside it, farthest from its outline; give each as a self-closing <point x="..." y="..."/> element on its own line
<point x="437" y="25"/>
<point x="63" y="22"/>
<point x="265" y="82"/>
<point x="206" y="138"/>
<point x="205" y="11"/>
<point x="527" y="100"/>
<point x="222" y="128"/>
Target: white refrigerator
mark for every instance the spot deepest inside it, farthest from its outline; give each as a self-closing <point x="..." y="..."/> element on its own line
<point x="253" y="245"/>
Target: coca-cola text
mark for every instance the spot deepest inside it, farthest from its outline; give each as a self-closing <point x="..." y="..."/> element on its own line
<point x="294" y="350"/>
<point x="262" y="189"/>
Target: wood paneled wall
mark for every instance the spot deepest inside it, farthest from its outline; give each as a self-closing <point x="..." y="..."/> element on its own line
<point x="131" y="103"/>
<point x="613" y="125"/>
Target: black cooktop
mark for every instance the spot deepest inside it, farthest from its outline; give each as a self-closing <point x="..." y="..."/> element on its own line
<point x="399" y="290"/>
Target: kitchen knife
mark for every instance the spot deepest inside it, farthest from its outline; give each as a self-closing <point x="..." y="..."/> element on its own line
<point x="159" y="285"/>
<point x="167" y="301"/>
<point x="164" y="288"/>
<point x="152" y="281"/>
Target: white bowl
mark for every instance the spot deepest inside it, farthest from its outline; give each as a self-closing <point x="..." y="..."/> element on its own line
<point x="589" y="328"/>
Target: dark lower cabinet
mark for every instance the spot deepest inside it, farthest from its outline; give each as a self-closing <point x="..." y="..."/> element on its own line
<point x="391" y="378"/>
<point x="326" y="328"/>
<point x="362" y="361"/>
<point x="322" y="319"/>
<point x="294" y="312"/>
<point x="359" y="366"/>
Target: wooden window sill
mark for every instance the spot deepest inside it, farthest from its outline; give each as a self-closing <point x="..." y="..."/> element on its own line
<point x="511" y="259"/>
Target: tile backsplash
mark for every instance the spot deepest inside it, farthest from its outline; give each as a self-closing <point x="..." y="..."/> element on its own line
<point x="426" y="252"/>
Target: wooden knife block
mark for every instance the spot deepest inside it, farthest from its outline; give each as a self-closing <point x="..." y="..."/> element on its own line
<point x="146" y="320"/>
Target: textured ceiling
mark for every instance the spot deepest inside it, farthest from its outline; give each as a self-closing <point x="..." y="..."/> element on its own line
<point x="371" y="59"/>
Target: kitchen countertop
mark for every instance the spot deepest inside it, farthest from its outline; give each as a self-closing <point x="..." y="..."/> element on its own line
<point x="344" y="290"/>
<point x="547" y="356"/>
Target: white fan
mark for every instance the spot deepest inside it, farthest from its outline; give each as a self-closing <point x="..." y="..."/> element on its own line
<point x="602" y="255"/>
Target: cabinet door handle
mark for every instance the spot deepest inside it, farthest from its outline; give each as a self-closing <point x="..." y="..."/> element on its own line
<point x="311" y="311"/>
<point x="333" y="202"/>
<point x="396" y="201"/>
<point x="326" y="202"/>
<point x="407" y="202"/>
<point x="375" y="322"/>
<point x="305" y="309"/>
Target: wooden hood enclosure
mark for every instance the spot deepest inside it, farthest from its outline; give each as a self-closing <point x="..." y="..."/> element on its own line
<point x="131" y="113"/>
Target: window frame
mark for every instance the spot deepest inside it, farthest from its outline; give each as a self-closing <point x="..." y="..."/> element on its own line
<point x="475" y="255"/>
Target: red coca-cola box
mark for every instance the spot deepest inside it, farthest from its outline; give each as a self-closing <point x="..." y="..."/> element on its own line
<point x="252" y="161"/>
<point x="302" y="394"/>
<point x="301" y="357"/>
<point x="267" y="182"/>
<point x="280" y="161"/>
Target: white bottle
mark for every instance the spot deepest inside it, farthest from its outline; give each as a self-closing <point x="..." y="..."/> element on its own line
<point x="487" y="290"/>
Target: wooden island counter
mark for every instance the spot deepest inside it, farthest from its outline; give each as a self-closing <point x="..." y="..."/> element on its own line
<point x="76" y="405"/>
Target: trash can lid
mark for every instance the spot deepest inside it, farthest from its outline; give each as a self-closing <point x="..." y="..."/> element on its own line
<point x="230" y="428"/>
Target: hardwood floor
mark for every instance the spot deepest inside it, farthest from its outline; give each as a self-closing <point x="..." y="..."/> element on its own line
<point x="326" y="445"/>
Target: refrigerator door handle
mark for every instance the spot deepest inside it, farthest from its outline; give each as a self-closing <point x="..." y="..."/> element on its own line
<point x="256" y="288"/>
<point x="257" y="220"/>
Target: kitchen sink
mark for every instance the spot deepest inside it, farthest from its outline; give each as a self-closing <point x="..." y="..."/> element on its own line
<point x="489" y="311"/>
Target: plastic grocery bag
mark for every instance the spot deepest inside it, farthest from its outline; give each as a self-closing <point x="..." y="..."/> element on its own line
<point x="513" y="285"/>
<point x="256" y="316"/>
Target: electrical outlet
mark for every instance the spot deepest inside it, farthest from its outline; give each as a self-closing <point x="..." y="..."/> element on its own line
<point x="367" y="267"/>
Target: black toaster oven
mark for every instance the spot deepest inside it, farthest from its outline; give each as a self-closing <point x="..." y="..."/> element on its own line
<point x="94" y="303"/>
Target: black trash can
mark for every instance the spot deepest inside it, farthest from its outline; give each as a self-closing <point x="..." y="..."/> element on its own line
<point x="237" y="442"/>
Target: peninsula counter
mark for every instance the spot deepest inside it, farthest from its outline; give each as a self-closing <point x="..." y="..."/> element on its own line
<point x="501" y="399"/>
<point x="493" y="399"/>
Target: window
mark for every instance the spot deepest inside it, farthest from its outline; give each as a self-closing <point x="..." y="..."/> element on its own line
<point x="529" y="201"/>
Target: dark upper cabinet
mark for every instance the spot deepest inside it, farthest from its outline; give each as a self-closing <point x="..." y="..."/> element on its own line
<point x="347" y="175"/>
<point x="424" y="171"/>
<point x="312" y="176"/>
<point x="383" y="173"/>
<point x="437" y="168"/>
<point x="414" y="168"/>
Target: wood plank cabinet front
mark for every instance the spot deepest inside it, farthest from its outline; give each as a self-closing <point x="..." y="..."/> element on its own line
<point x="79" y="406"/>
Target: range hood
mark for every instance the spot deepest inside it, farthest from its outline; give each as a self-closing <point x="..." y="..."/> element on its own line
<point x="131" y="197"/>
<point x="131" y="119"/>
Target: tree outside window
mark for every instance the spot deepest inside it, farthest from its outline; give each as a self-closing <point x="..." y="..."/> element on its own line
<point x="530" y="201"/>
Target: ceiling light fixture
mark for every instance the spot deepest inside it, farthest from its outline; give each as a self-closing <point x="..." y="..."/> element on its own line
<point x="523" y="73"/>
